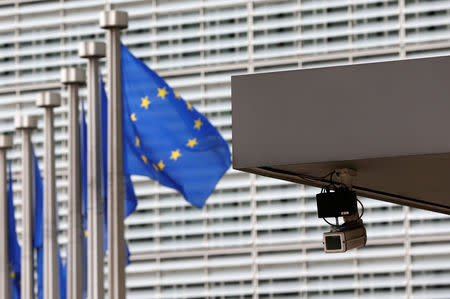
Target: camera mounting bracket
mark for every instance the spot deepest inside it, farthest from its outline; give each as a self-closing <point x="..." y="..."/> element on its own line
<point x="345" y="177"/>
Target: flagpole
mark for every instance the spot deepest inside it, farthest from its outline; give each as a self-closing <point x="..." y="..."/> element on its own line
<point x="73" y="78"/>
<point x="26" y="123"/>
<point x="48" y="101"/>
<point x="94" y="51"/>
<point x="5" y="279"/>
<point x="114" y="21"/>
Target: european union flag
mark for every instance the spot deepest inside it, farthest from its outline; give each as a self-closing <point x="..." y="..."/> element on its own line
<point x="62" y="278"/>
<point x="14" y="248"/>
<point x="104" y="128"/>
<point x="38" y="235"/>
<point x="166" y="138"/>
<point x="130" y="196"/>
<point x="84" y="195"/>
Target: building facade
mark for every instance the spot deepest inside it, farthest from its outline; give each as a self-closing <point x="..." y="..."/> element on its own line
<point x="256" y="237"/>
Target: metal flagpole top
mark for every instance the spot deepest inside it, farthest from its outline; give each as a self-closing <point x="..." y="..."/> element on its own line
<point x="72" y="75"/>
<point x="113" y="19"/>
<point x="26" y="123"/>
<point x="23" y="122"/>
<point x="6" y="141"/>
<point x="48" y="100"/>
<point x="92" y="49"/>
<point x="95" y="287"/>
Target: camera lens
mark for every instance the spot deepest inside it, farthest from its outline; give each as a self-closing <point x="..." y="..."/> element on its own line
<point x="333" y="243"/>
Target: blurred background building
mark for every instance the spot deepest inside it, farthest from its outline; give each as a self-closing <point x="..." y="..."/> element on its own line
<point x="256" y="237"/>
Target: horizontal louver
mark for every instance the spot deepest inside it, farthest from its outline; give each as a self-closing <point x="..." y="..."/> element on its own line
<point x="256" y="237"/>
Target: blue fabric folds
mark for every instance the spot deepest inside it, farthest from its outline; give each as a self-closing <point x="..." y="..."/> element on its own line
<point x="38" y="236"/>
<point x="130" y="196"/>
<point x="14" y="248"/>
<point x="166" y="138"/>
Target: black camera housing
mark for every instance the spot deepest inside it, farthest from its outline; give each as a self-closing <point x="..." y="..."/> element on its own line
<point x="340" y="203"/>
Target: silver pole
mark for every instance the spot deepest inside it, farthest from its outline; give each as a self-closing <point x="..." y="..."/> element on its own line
<point x="93" y="51"/>
<point x="5" y="289"/>
<point x="73" y="77"/>
<point x="26" y="124"/>
<point x="48" y="101"/>
<point x="113" y="21"/>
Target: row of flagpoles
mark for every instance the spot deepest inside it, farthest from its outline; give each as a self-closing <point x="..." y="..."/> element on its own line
<point x="112" y="21"/>
<point x="148" y="130"/>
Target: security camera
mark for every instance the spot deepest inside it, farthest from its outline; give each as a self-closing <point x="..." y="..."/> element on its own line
<point x="338" y="200"/>
<point x="348" y="236"/>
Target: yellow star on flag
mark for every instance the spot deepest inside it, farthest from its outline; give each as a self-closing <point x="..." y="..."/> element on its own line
<point x="13" y="274"/>
<point x="155" y="167"/>
<point x="175" y="155"/>
<point x="144" y="158"/>
<point x="138" y="141"/>
<point x="133" y="117"/>
<point x="162" y="92"/>
<point x="161" y="165"/>
<point x="145" y="102"/>
<point x="85" y="233"/>
<point x="192" y="142"/>
<point x="198" y="124"/>
<point x="177" y="95"/>
<point x="189" y="106"/>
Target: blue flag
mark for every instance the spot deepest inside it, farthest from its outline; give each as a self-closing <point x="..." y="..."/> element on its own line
<point x="104" y="129"/>
<point x="165" y="138"/>
<point x="84" y="195"/>
<point x="14" y="248"/>
<point x="130" y="196"/>
<point x="38" y="235"/>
